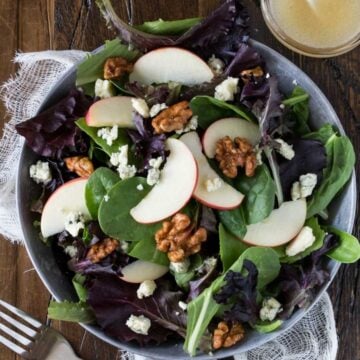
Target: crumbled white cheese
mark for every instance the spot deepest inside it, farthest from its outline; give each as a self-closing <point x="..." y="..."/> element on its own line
<point x="71" y="250"/>
<point x="40" y="172"/>
<point x="190" y="126"/>
<point x="295" y="191"/>
<point x="109" y="134"/>
<point x="258" y="155"/>
<point x="120" y="159"/>
<point x="155" y="109"/>
<point x="104" y="89"/>
<point x="180" y="267"/>
<point x="177" y="313"/>
<point x="216" y="65"/>
<point x="74" y="222"/>
<point x="227" y="89"/>
<point x="282" y="106"/>
<point x="307" y="184"/>
<point x="213" y="184"/>
<point x="270" y="308"/>
<point x="140" y="106"/>
<point x="139" y="324"/>
<point x="182" y="305"/>
<point x="267" y="76"/>
<point x="304" y="239"/>
<point x="146" y="289"/>
<point x="124" y="246"/>
<point x="304" y="187"/>
<point x="106" y="198"/>
<point x="153" y="175"/>
<point x="140" y="187"/>
<point x="286" y="150"/>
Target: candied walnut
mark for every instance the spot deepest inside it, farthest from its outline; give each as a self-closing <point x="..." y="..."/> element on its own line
<point x="233" y="154"/>
<point x="173" y="118"/>
<point x="102" y="249"/>
<point x="226" y="335"/>
<point x="179" y="239"/>
<point x="116" y="67"/>
<point x="81" y="165"/>
<point x="247" y="75"/>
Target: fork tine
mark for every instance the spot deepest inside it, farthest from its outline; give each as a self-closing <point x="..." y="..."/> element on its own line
<point x="21" y="339"/>
<point x="28" y="331"/>
<point x="21" y="314"/>
<point x="9" y="344"/>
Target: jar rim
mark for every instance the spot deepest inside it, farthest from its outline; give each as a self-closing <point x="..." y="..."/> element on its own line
<point x="294" y="45"/>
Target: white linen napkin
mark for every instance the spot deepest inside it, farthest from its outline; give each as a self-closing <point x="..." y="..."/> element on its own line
<point x="313" y="338"/>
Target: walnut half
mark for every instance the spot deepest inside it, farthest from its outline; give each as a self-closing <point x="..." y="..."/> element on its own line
<point x="233" y="154"/>
<point x="102" y="249"/>
<point x="179" y="239"/>
<point x="116" y="67"/>
<point x="81" y="165"/>
<point x="226" y="335"/>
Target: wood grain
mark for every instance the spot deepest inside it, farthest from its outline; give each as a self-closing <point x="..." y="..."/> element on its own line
<point x="77" y="24"/>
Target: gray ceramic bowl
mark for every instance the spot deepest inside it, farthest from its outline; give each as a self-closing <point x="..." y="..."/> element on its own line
<point x="342" y="213"/>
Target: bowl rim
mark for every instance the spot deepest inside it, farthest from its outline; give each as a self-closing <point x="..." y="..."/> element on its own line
<point x="131" y="347"/>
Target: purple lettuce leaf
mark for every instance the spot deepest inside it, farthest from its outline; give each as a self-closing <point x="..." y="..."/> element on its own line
<point x="310" y="157"/>
<point x="296" y="283"/>
<point x="147" y="144"/>
<point x="53" y="132"/>
<point x="208" y="219"/>
<point x="208" y="272"/>
<point x="240" y="291"/>
<point x="114" y="301"/>
<point x="206" y="88"/>
<point x="245" y="58"/>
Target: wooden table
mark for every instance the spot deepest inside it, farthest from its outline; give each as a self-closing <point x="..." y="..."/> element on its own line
<point x="76" y="24"/>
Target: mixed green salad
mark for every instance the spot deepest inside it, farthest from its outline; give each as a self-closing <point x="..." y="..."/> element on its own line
<point x="185" y="194"/>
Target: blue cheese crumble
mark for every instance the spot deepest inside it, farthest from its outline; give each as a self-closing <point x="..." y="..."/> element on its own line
<point x="270" y="308"/>
<point x="304" y="187"/>
<point x="190" y="126"/>
<point x="153" y="175"/>
<point x="109" y="134"/>
<point x="104" y="89"/>
<point x="74" y="222"/>
<point x="120" y="160"/>
<point x="216" y="65"/>
<point x="40" y="172"/>
<point x="141" y="107"/>
<point x="139" y="324"/>
<point x="285" y="150"/>
<point x="227" y="89"/>
<point x="146" y="289"/>
<point x="212" y="185"/>
<point x="180" y="267"/>
<point x="155" y="109"/>
<point x="303" y="240"/>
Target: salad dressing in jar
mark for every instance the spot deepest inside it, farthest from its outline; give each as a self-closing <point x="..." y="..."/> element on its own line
<point x="314" y="27"/>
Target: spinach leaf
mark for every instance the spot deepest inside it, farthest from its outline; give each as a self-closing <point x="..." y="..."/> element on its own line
<point x="146" y="250"/>
<point x="121" y="140"/>
<point x="323" y="134"/>
<point x="114" y="215"/>
<point x="259" y="191"/>
<point x="231" y="247"/>
<point x="208" y="109"/>
<point x="299" y="104"/>
<point x="183" y="279"/>
<point x="202" y="309"/>
<point x="91" y="68"/>
<point x="267" y="326"/>
<point x="234" y="221"/>
<point x="97" y="186"/>
<point x="70" y="311"/>
<point x="319" y="234"/>
<point x="348" y="251"/>
<point x="340" y="164"/>
<point x="168" y="27"/>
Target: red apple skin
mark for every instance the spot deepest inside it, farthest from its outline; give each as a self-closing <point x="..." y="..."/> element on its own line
<point x="189" y="198"/>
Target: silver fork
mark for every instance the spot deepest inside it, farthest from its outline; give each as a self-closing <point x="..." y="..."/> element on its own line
<point x="34" y="342"/>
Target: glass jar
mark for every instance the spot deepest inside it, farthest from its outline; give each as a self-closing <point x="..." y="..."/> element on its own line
<point x="317" y="28"/>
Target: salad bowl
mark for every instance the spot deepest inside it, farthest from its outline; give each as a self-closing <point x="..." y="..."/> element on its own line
<point x="53" y="273"/>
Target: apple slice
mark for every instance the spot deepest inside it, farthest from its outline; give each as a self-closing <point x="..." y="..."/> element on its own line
<point x="171" y="64"/>
<point x="141" y="270"/>
<point x="233" y="127"/>
<point x="112" y="111"/>
<point x="177" y="183"/>
<point x="223" y="198"/>
<point x="69" y="197"/>
<point x="282" y="225"/>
